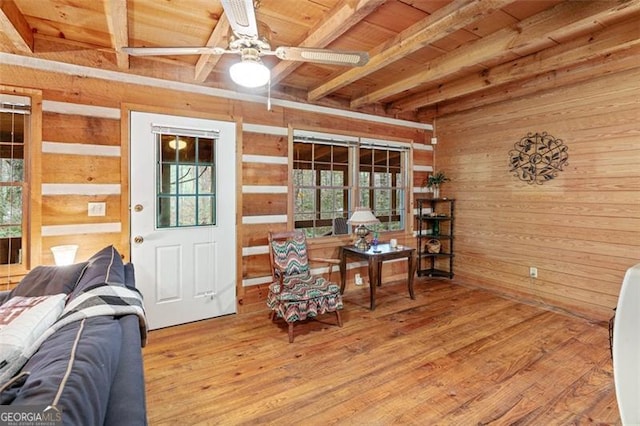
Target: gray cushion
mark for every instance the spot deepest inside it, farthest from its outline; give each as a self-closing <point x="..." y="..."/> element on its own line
<point x="104" y="267"/>
<point x="47" y="280"/>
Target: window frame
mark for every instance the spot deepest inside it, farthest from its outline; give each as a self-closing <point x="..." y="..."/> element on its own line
<point x="32" y="189"/>
<point x="354" y="190"/>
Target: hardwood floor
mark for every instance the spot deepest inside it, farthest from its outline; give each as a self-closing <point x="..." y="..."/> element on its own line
<point x="453" y="356"/>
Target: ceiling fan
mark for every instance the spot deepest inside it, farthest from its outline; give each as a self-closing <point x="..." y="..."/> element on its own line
<point x="250" y="45"/>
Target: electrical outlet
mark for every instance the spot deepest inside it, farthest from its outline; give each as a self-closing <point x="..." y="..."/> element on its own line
<point x="358" y="279"/>
<point x="97" y="209"/>
<point x="533" y="272"/>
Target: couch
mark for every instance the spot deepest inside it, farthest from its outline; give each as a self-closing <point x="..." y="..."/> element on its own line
<point x="71" y="338"/>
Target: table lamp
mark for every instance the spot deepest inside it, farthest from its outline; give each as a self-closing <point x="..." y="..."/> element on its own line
<point x="361" y="217"/>
<point x="64" y="255"/>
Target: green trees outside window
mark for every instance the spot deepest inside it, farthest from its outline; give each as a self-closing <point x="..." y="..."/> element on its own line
<point x="332" y="177"/>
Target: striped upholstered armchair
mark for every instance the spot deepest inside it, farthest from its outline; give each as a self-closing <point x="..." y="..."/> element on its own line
<point x="295" y="293"/>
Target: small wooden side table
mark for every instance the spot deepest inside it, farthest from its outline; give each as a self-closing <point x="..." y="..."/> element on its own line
<point x="375" y="258"/>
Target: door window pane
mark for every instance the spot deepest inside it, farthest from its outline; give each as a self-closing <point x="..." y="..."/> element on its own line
<point x="186" y="181"/>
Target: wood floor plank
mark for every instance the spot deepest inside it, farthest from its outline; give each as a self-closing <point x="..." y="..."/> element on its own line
<point x="455" y="355"/>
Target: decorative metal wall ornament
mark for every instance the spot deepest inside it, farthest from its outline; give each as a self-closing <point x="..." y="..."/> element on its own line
<point x="538" y="157"/>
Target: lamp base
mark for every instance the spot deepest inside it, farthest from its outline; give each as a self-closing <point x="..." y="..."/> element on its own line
<point x="362" y="244"/>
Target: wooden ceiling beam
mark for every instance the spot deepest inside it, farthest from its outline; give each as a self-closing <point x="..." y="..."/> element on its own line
<point x="117" y="21"/>
<point x="583" y="49"/>
<point x="339" y="20"/>
<point x="15" y="26"/>
<point x="617" y="62"/>
<point x="219" y="38"/>
<point x="529" y="36"/>
<point x="434" y="27"/>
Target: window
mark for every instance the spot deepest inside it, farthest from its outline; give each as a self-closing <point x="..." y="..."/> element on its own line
<point x="185" y="185"/>
<point x="14" y="130"/>
<point x="380" y="181"/>
<point x="334" y="174"/>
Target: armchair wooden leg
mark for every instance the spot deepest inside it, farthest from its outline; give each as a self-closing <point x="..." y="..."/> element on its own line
<point x="290" y="332"/>
<point x="339" y="318"/>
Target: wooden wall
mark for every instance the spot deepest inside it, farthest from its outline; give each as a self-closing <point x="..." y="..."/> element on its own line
<point x="581" y="229"/>
<point x="81" y="163"/>
<point x="85" y="159"/>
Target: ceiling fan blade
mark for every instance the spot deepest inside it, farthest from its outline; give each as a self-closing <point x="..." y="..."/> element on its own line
<point x="169" y="51"/>
<point x="323" y="56"/>
<point x="242" y="17"/>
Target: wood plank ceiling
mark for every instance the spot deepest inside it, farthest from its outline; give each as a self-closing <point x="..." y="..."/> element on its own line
<point x="426" y="56"/>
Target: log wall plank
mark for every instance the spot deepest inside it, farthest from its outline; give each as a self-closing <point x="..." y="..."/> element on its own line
<point x="80" y="129"/>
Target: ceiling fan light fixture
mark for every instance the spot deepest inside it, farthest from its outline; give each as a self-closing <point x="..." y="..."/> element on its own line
<point x="250" y="72"/>
<point x="178" y="144"/>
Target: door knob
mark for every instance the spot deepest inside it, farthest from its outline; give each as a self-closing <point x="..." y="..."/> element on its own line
<point x="138" y="239"/>
<point x="138" y="207"/>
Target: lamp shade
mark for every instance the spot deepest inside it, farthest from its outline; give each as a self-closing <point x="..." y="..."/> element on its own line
<point x="363" y="216"/>
<point x="64" y="255"/>
<point x="250" y="72"/>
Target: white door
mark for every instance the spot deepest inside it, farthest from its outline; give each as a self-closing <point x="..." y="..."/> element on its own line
<point x="183" y="243"/>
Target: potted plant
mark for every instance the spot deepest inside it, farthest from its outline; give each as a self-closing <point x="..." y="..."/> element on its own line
<point x="434" y="181"/>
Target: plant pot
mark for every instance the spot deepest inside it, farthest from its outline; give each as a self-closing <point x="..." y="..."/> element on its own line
<point x="436" y="191"/>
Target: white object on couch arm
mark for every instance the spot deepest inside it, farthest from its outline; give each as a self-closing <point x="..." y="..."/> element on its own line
<point x="23" y="322"/>
<point x="626" y="347"/>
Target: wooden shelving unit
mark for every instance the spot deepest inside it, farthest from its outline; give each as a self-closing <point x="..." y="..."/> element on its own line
<point x="435" y="225"/>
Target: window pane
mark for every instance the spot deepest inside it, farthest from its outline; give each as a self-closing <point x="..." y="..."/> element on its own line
<point x="206" y="151"/>
<point x="166" y="212"/>
<point x="305" y="201"/>
<point x="187" y="211"/>
<point x="11" y="170"/>
<point x="206" y="210"/>
<point x="11" y="207"/>
<point x="303" y="177"/>
<point x="397" y="179"/>
<point x="382" y="201"/>
<point x="366" y="157"/>
<point x="325" y="177"/>
<point x="364" y="178"/>
<point x="186" y="148"/>
<point x="322" y="153"/>
<point x="364" y="200"/>
<point x="205" y="184"/>
<point x="340" y="156"/>
<point x="338" y="178"/>
<point x="167" y="151"/>
<point x="323" y="230"/>
<point x="12" y="127"/>
<point x="331" y="203"/>
<point x="168" y="179"/>
<point x="187" y="179"/>
<point x="382" y="180"/>
<point x="304" y="216"/>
